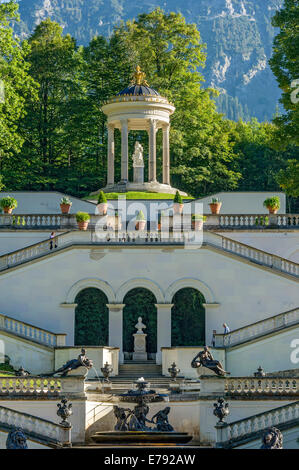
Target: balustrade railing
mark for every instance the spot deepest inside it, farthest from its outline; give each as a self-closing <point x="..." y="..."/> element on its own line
<point x="238" y="431"/>
<point x="262" y="386"/>
<point x="258" y="329"/>
<point x="258" y="220"/>
<point x="35" y="427"/>
<point x="260" y="257"/>
<point x="236" y="221"/>
<point x="107" y="237"/>
<point x="31" y="332"/>
<point x="30" y="386"/>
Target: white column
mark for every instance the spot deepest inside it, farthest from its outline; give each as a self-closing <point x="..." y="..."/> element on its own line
<point x="110" y="171"/>
<point x="124" y="149"/>
<point x="166" y="155"/>
<point x="116" y="328"/>
<point x="163" y="329"/>
<point x="152" y="166"/>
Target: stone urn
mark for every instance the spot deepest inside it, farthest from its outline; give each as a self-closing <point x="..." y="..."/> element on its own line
<point x="215" y="207"/>
<point x="65" y="208"/>
<point x="140" y="225"/>
<point x="178" y="208"/>
<point x="272" y="210"/>
<point x="7" y="210"/>
<point x="83" y="225"/>
<point x="102" y="208"/>
<point x="198" y="225"/>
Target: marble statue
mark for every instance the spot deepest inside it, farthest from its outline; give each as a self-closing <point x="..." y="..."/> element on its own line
<point x="205" y="359"/>
<point x="140" y="326"/>
<point x="138" y="155"/>
<point x="16" y="439"/>
<point x="272" y="439"/>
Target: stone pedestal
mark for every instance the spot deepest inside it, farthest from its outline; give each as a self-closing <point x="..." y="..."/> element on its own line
<point x="140" y="353"/>
<point x="139" y="174"/>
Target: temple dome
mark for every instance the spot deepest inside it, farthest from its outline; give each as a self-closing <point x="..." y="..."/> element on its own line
<point x="138" y="90"/>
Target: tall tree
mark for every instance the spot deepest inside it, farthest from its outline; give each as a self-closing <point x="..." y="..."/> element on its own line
<point x="15" y="83"/>
<point x="170" y="52"/>
<point x="259" y="161"/>
<point x="285" y="66"/>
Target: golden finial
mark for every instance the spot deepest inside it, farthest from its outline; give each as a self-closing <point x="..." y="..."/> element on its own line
<point x="139" y="77"/>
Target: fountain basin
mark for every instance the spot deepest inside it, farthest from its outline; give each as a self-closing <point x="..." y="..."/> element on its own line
<point x="141" y="438"/>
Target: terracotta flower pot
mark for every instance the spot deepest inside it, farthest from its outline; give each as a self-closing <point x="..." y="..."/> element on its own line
<point x="65" y="208"/>
<point x="7" y="210"/>
<point x="178" y="208"/>
<point x="215" y="207"/>
<point x="198" y="225"/>
<point x="140" y="225"/>
<point x="272" y="211"/>
<point x="82" y="225"/>
<point x="102" y="208"/>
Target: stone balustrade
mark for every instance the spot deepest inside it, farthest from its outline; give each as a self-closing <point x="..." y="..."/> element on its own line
<point x="245" y="387"/>
<point x="229" y="221"/>
<point x="232" y="433"/>
<point x="31" y="332"/>
<point x="258" y="220"/>
<point x="260" y="257"/>
<point x="30" y="386"/>
<point x="262" y="386"/>
<point x="182" y="238"/>
<point x="39" y="429"/>
<point x="51" y="221"/>
<point x="258" y="329"/>
<point x="46" y="387"/>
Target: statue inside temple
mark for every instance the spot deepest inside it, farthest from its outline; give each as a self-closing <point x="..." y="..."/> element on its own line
<point x="138" y="155"/>
<point x="205" y="359"/>
<point x="81" y="361"/>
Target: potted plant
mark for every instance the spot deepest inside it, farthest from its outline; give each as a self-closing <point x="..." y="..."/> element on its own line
<point x="215" y="205"/>
<point x="140" y="221"/>
<point x="178" y="204"/>
<point x="198" y="220"/>
<point x="272" y="204"/>
<point x="82" y="220"/>
<point x="102" y="204"/>
<point x="8" y="203"/>
<point x="65" y="205"/>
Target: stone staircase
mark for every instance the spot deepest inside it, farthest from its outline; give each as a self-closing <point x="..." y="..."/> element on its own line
<point x="211" y="240"/>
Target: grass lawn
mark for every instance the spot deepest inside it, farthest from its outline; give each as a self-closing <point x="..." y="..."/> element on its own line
<point x="137" y="195"/>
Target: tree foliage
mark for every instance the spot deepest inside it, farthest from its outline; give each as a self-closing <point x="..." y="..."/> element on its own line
<point x="171" y="53"/>
<point x="285" y="66"/>
<point x="188" y="318"/>
<point x="91" y="318"/>
<point x="16" y="85"/>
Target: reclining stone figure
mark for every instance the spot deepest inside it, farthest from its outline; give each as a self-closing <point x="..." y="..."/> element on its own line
<point x="81" y="361"/>
<point x="205" y="359"/>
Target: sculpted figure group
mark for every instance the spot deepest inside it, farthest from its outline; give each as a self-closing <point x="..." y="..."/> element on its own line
<point x="136" y="420"/>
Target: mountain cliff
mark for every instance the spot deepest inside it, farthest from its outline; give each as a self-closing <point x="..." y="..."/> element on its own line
<point x="238" y="34"/>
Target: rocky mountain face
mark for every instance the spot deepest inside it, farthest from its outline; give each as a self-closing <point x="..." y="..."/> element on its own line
<point x="238" y="34"/>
